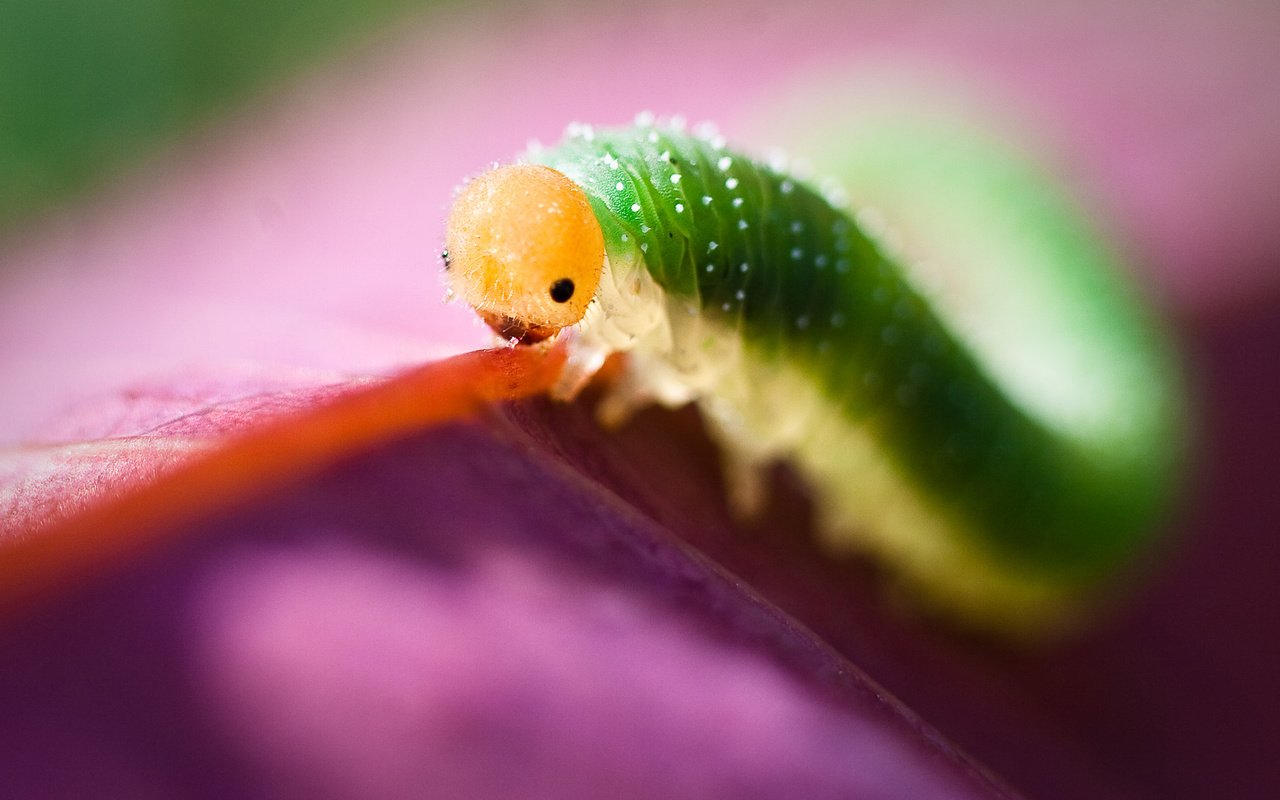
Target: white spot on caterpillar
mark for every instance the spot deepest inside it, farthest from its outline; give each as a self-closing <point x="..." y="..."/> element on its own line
<point x="619" y="186"/>
<point x="731" y="184"/>
<point x="871" y="221"/>
<point x="652" y="137"/>
<point x="711" y="268"/>
<point x="677" y="123"/>
<point x="579" y="130"/>
<point x="644" y="119"/>
<point x="675" y="177"/>
<point x="679" y="208"/>
<point x="820" y="262"/>
<point x="644" y="247"/>
<point x="625" y="237"/>
<point x="742" y="224"/>
<point x="834" y="193"/>
<point x="737" y="202"/>
<point x="712" y="245"/>
<point x="635" y="206"/>
<point x="724" y="163"/>
<point x="717" y="142"/>
<point x="797" y="226"/>
<point x="645" y="228"/>
<point x="725" y="307"/>
<point x="796" y="254"/>
<point x="787" y="187"/>
<point x="665" y="155"/>
<point x="802" y="322"/>
<point x="743" y="267"/>
<point x="706" y="199"/>
<point x="741" y="294"/>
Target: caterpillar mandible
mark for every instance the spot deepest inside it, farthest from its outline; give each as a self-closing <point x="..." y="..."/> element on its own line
<point x="733" y="284"/>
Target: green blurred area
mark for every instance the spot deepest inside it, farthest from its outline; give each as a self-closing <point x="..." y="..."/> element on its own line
<point x="87" y="86"/>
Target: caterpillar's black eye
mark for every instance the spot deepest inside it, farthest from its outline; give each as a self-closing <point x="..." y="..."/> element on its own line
<point x="562" y="290"/>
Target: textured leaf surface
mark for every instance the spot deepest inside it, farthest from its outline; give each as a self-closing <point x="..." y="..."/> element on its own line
<point x="459" y="611"/>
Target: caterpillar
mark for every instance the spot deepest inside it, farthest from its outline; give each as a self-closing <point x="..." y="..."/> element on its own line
<point x="995" y="498"/>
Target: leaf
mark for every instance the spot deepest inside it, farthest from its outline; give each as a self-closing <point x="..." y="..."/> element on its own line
<point x="451" y="610"/>
<point x="161" y="478"/>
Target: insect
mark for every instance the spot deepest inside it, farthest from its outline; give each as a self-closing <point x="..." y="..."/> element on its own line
<point x="996" y="494"/>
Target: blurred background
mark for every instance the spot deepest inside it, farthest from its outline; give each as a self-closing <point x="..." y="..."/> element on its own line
<point x="256" y="190"/>
<point x="219" y="163"/>
<point x="1165" y="115"/>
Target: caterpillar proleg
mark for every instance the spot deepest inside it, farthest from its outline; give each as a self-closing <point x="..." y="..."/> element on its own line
<point x="735" y="285"/>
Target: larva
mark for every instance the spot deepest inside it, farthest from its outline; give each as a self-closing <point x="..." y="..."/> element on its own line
<point x="735" y="285"/>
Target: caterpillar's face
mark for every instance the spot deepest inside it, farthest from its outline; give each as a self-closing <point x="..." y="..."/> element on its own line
<point x="523" y="247"/>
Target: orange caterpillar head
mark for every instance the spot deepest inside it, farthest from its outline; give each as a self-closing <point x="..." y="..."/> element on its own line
<point x="523" y="248"/>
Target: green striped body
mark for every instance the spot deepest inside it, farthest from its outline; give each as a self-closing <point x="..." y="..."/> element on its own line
<point x="987" y="503"/>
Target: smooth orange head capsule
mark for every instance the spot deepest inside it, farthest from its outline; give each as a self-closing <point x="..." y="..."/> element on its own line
<point x="523" y="247"/>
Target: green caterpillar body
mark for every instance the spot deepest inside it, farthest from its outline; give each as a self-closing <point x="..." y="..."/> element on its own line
<point x="803" y="338"/>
